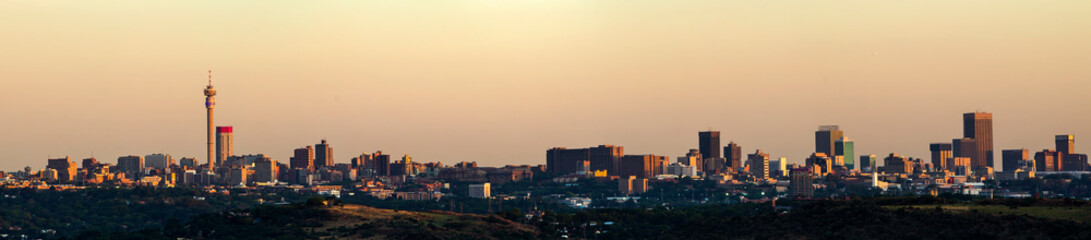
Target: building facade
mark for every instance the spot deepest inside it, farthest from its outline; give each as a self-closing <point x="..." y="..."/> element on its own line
<point x="825" y="139"/>
<point x="562" y="161"/>
<point x="733" y="155"/>
<point x="940" y="153"/>
<point x="303" y="158"/>
<point x="225" y="145"/>
<point x="1013" y="158"/>
<point x="845" y="149"/>
<point x="979" y="126"/>
<point x="709" y="144"/>
<point x="323" y="155"/>
<point x="758" y="162"/>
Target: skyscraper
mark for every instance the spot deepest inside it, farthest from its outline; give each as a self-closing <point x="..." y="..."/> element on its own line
<point x="131" y="165"/>
<point x="844" y="148"/>
<point x="979" y="126"/>
<point x="323" y="155"/>
<point x="90" y="163"/>
<point x="964" y="148"/>
<point x="209" y="104"/>
<point x="1048" y="160"/>
<point x="641" y="166"/>
<point x="158" y="160"/>
<point x="65" y="167"/>
<point x="265" y="170"/>
<point x="303" y="158"/>
<point x="867" y="163"/>
<point x="188" y="163"/>
<point x="897" y="164"/>
<point x="1066" y="144"/>
<point x="940" y="153"/>
<point x="825" y="138"/>
<point x="382" y="163"/>
<point x="1012" y="158"/>
<point x="561" y="161"/>
<point x="759" y="164"/>
<point x="802" y="183"/>
<point x="709" y="144"/>
<point x="733" y="154"/>
<point x="225" y="146"/>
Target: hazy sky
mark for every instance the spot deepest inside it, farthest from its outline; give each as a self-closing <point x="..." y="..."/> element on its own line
<point x="500" y="82"/>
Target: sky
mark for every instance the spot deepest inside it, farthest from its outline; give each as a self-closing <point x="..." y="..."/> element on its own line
<point x="500" y="82"/>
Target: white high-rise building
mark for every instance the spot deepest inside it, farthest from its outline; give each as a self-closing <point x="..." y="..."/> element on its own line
<point x="480" y="190"/>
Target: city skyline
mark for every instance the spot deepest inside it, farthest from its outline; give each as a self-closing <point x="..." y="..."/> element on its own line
<point x="509" y="81"/>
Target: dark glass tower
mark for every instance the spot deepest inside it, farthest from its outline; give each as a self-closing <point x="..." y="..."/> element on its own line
<point x="825" y="139"/>
<point x="733" y="155"/>
<point x="323" y="155"/>
<point x="709" y="144"/>
<point x="1066" y="144"/>
<point x="979" y="126"/>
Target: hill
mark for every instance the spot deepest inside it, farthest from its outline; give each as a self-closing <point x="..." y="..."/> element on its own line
<point x="316" y="220"/>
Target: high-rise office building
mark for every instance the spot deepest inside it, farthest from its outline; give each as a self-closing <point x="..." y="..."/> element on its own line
<point x="363" y="161"/>
<point x="561" y="161"/>
<point x="1013" y="158"/>
<point x="979" y="126"/>
<point x="802" y="183"/>
<point x="402" y="167"/>
<point x="1074" y="162"/>
<point x="225" y="146"/>
<point x="158" y="160"/>
<point x="1066" y="149"/>
<point x="844" y="148"/>
<point x="131" y="165"/>
<point x="303" y="158"/>
<point x="1066" y="144"/>
<point x="1048" y="160"/>
<point x="90" y="163"/>
<point x="265" y="170"/>
<point x="209" y="104"/>
<point x="867" y="163"/>
<point x="758" y="162"/>
<point x="641" y="166"/>
<point x="188" y="163"/>
<point x="825" y="139"/>
<point x="897" y="164"/>
<point x="733" y="155"/>
<point x="709" y="143"/>
<point x="323" y="155"/>
<point x="65" y="167"/>
<point x="382" y="163"/>
<point x="964" y="148"/>
<point x="940" y="153"/>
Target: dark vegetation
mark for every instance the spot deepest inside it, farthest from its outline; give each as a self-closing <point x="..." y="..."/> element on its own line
<point x="843" y="219"/>
<point x="170" y="213"/>
<point x="67" y="213"/>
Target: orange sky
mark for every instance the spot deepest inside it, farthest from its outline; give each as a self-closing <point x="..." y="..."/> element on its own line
<point x="499" y="82"/>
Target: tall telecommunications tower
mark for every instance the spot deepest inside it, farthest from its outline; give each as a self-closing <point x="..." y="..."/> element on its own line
<point x="209" y="104"/>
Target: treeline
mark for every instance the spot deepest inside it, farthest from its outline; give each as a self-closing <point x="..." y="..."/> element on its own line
<point x="66" y="213"/>
<point x="844" y="219"/>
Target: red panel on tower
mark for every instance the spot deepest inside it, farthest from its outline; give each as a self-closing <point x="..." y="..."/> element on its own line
<point x="226" y="129"/>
